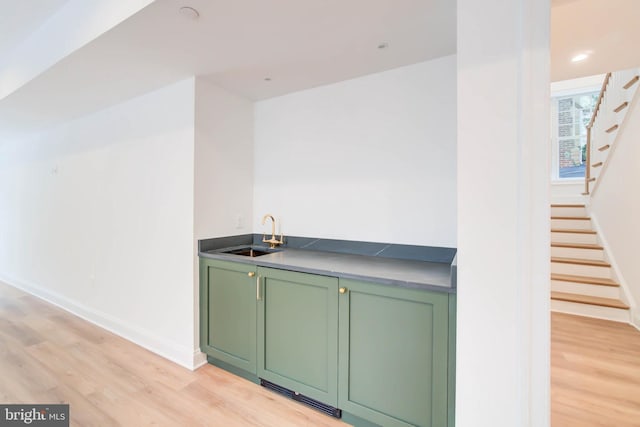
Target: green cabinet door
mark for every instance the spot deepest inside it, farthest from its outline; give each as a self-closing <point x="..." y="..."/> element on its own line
<point x="298" y="333"/>
<point x="393" y="357"/>
<point x="228" y="312"/>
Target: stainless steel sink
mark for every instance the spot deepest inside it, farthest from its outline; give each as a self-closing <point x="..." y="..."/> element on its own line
<point x="248" y="251"/>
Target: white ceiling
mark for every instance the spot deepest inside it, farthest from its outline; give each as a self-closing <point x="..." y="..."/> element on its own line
<point x="19" y="18"/>
<point x="237" y="44"/>
<point x="297" y="43"/>
<point x="609" y="29"/>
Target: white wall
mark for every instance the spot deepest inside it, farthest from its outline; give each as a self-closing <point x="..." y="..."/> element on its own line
<point x="97" y="216"/>
<point x="567" y="191"/>
<point x="223" y="162"/>
<point x="582" y="84"/>
<point x="371" y="158"/>
<point x="503" y="214"/>
<point x="223" y="175"/>
<point x="615" y="203"/>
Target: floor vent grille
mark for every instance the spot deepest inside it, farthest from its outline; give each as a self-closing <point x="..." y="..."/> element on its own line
<point x="322" y="407"/>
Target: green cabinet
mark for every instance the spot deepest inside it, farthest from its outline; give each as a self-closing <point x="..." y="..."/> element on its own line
<point x="382" y="354"/>
<point x="298" y="332"/>
<point x="393" y="358"/>
<point x="228" y="312"/>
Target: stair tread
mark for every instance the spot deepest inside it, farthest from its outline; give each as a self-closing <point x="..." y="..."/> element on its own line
<point x="566" y="205"/>
<point x="576" y="245"/>
<point x="584" y="279"/>
<point x="581" y="218"/>
<point x="570" y="230"/>
<point x="581" y="261"/>
<point x="588" y="299"/>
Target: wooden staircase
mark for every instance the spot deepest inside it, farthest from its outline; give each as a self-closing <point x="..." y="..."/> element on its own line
<point x="582" y="279"/>
<point x="618" y="91"/>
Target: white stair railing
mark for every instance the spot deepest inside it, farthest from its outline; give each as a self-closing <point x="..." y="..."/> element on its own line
<point x="616" y="95"/>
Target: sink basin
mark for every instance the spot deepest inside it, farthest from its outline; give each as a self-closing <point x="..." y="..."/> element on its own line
<point x="248" y="251"/>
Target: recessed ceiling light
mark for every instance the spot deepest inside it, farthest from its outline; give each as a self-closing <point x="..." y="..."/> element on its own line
<point x="383" y="45"/>
<point x="189" y="12"/>
<point x="580" y="57"/>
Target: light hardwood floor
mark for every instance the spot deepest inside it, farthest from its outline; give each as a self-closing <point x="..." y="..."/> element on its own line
<point x="595" y="373"/>
<point x="50" y="356"/>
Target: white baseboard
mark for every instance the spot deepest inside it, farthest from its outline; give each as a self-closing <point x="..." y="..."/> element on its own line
<point x="199" y="359"/>
<point x="172" y="351"/>
<point x="635" y="318"/>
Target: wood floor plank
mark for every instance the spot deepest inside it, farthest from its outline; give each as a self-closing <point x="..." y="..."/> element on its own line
<point x="595" y="372"/>
<point x="572" y="230"/>
<point x="50" y="356"/>
<point x="603" y="281"/>
<point x="588" y="299"/>
<point x="108" y="381"/>
<point x="580" y="261"/>
<point x="573" y="218"/>
<point x="576" y="245"/>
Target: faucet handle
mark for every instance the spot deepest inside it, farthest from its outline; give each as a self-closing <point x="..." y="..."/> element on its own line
<point x="273" y="242"/>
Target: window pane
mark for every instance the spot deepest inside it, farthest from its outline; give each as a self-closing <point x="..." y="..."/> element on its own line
<point x="565" y="104"/>
<point x="574" y="113"/>
<point x="570" y="160"/>
<point x="564" y="131"/>
<point x="565" y="118"/>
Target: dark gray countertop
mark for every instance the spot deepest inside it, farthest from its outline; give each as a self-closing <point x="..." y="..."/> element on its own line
<point x="416" y="268"/>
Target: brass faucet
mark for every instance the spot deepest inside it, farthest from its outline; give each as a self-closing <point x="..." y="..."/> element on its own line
<point x="273" y="242"/>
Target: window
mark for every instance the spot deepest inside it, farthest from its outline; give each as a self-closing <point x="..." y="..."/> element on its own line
<point x="572" y="114"/>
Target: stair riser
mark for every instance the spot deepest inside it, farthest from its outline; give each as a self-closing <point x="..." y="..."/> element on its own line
<point x="580" y="270"/>
<point x="595" y="254"/>
<point x="616" y="314"/>
<point x="574" y="238"/>
<point x="571" y="224"/>
<point x="568" y="212"/>
<point x="612" y="292"/>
